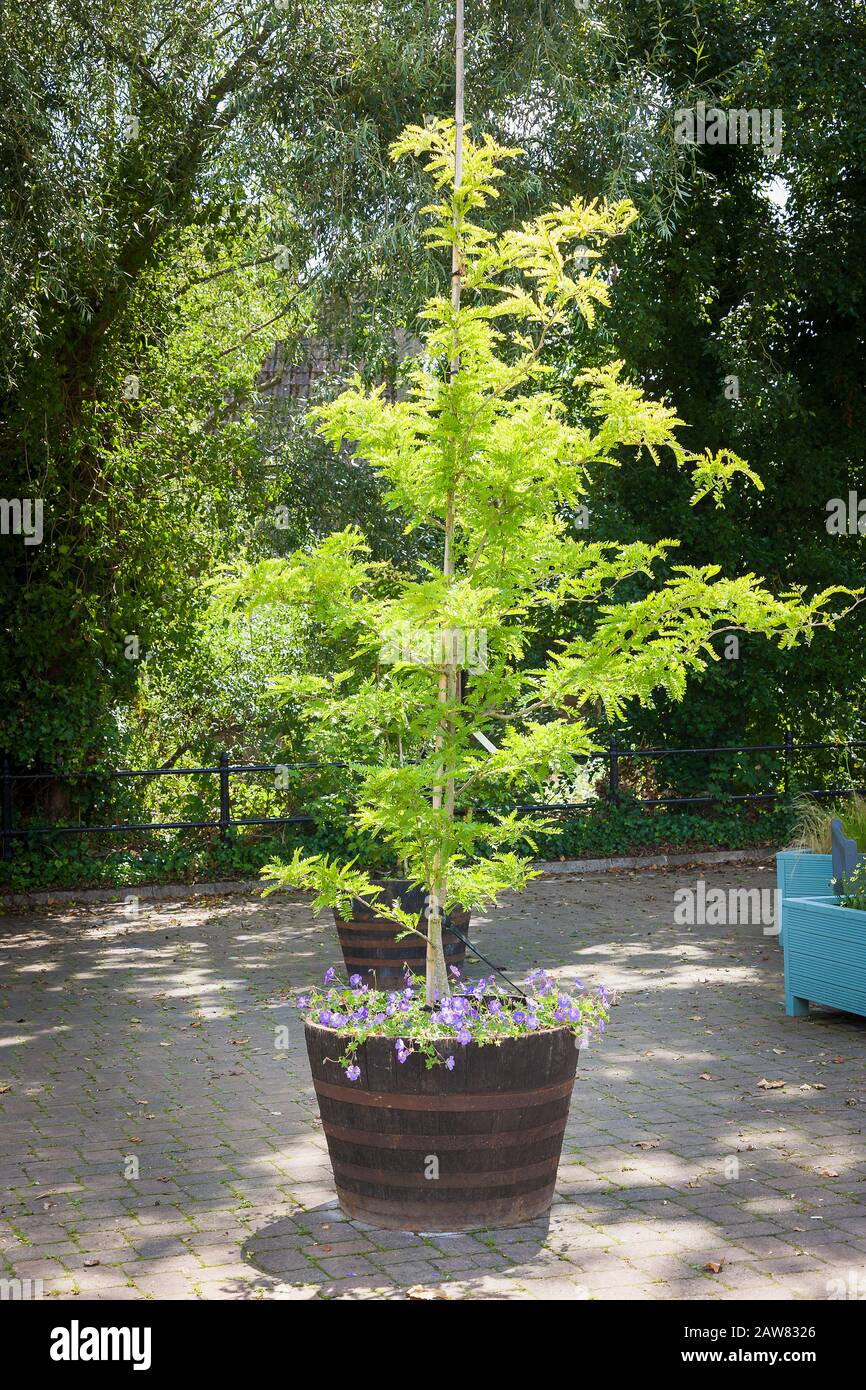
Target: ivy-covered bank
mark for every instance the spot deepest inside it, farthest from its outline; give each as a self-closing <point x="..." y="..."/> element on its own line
<point x="94" y="863"/>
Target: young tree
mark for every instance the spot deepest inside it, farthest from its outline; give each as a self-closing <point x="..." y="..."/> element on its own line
<point x="481" y="452"/>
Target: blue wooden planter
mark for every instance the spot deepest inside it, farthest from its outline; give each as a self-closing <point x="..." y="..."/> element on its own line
<point x="825" y="955"/>
<point x="801" y="874"/>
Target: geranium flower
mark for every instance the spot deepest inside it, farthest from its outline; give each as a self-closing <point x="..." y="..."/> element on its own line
<point x="330" y="974"/>
<point x="353" y="1072"/>
<point x="449" y="1062"/>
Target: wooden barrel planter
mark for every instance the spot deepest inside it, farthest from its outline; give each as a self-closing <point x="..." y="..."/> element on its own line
<point x="418" y="1149"/>
<point x="369" y="939"/>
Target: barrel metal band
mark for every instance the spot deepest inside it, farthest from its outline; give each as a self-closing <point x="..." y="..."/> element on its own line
<point x="489" y="1179"/>
<point x="482" y="1100"/>
<point x="504" y="1139"/>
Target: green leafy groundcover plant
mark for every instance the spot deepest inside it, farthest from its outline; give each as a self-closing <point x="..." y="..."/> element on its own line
<point x="482" y="1013"/>
<point x="182" y="856"/>
<point x="479" y="454"/>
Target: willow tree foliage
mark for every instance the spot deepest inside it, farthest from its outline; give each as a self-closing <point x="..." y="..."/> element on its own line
<point x="479" y="450"/>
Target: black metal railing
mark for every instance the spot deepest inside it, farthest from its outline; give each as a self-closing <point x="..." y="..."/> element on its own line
<point x="614" y="755"/>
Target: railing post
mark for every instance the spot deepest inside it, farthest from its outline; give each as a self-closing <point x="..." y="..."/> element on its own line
<point x="225" y="804"/>
<point x="7" y="810"/>
<point x="789" y="758"/>
<point x="613" y="781"/>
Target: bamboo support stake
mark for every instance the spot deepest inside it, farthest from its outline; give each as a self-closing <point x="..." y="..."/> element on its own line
<point x="437" y="975"/>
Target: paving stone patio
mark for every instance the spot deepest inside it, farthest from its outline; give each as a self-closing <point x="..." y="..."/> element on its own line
<point x="158" y="1141"/>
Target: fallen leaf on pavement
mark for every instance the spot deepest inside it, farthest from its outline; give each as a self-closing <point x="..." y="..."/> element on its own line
<point x="765" y="1085"/>
<point x="713" y="1266"/>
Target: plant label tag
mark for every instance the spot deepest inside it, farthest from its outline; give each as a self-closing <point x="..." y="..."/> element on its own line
<point x="485" y="741"/>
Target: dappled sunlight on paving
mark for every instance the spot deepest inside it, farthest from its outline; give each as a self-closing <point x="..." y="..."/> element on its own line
<point x="158" y="1138"/>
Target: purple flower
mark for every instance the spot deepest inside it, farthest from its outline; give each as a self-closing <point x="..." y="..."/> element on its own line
<point x="464" y="1036"/>
<point x="518" y="1016"/>
<point x="378" y="1018"/>
<point x="449" y="1062"/>
<point x="541" y="982"/>
<point x="456" y="973"/>
<point x="325" y="1016"/>
<point x="531" y="1021"/>
<point x="495" y="1006"/>
<point x="303" y="1001"/>
<point x="330" y="974"/>
<point x="353" y="1072"/>
<point x="338" y="1020"/>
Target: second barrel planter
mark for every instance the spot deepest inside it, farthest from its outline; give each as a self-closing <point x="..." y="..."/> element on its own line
<point x="368" y="939"/>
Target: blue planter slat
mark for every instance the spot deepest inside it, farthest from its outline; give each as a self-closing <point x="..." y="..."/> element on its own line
<point x="825" y="956"/>
<point x="801" y="874"/>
